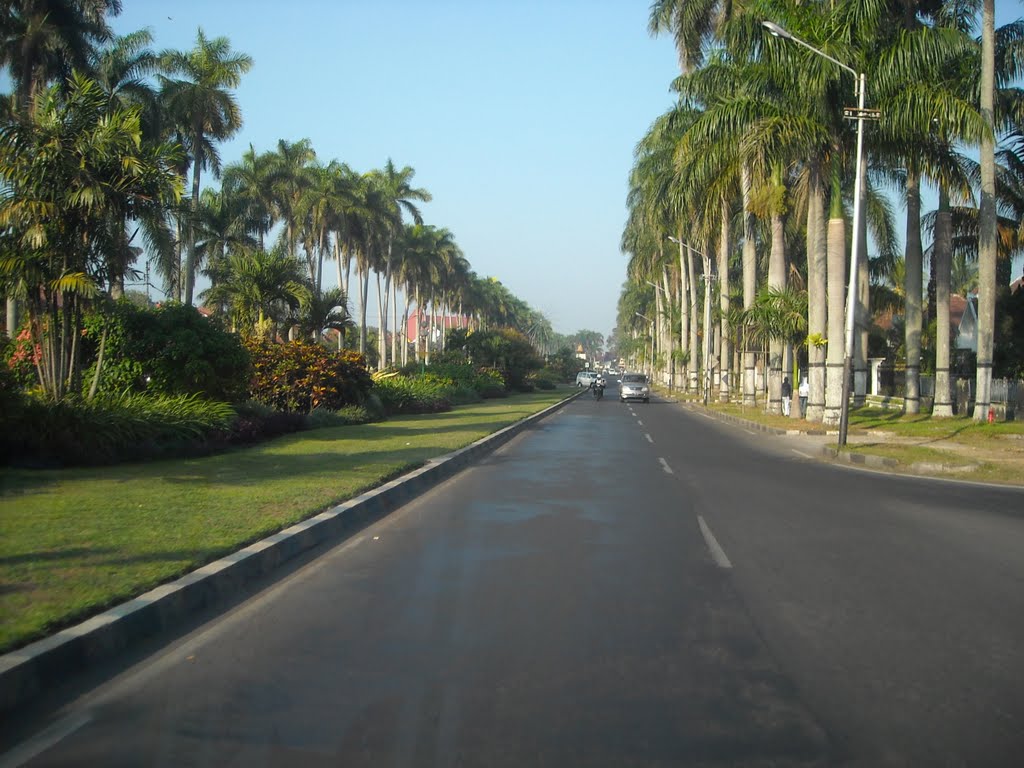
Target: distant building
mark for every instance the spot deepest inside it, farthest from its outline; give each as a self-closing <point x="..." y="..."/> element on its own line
<point x="421" y="323"/>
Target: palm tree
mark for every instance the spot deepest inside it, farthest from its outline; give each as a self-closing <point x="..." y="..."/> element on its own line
<point x="122" y="69"/>
<point x="250" y="183"/>
<point x="987" y="247"/>
<point x="261" y="291"/>
<point x="204" y="110"/>
<point x="42" y="41"/>
<point x="77" y="165"/>
<point x="401" y="196"/>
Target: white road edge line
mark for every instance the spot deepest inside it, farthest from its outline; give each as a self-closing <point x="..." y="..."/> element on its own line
<point x="717" y="553"/>
<point x="801" y="453"/>
<point x="42" y="741"/>
<point x="750" y="431"/>
<point x="649" y="440"/>
<point x="665" y="466"/>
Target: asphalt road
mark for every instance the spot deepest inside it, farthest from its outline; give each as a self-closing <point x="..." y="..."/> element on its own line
<point x="621" y="585"/>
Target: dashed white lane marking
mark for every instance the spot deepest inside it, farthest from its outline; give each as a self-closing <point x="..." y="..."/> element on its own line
<point x="649" y="440"/>
<point x="28" y="750"/>
<point x="801" y="453"/>
<point x="750" y="431"/>
<point x="639" y="422"/>
<point x="717" y="553"/>
<point x="666" y="467"/>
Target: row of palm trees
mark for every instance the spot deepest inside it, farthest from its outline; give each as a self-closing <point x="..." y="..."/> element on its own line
<point x="100" y="142"/>
<point x="741" y="191"/>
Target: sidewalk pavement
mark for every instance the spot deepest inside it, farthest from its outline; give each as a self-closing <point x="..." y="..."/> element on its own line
<point x="822" y="443"/>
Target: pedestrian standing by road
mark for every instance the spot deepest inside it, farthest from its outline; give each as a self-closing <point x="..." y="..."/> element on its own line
<point x="787" y="396"/>
<point x="804" y="391"/>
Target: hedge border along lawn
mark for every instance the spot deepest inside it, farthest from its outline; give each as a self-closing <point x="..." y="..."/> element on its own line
<point x="74" y="542"/>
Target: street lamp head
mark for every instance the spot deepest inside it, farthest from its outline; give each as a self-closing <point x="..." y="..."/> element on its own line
<point x="673" y="239"/>
<point x="776" y="30"/>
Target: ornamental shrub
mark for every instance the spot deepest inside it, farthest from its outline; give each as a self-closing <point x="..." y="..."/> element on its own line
<point x="166" y="350"/>
<point x="419" y="394"/>
<point x="299" y="376"/>
<point x="127" y="427"/>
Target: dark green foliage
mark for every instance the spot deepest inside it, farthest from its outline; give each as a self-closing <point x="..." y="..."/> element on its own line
<point x="420" y="394"/>
<point x="112" y="429"/>
<point x="504" y="350"/>
<point x="169" y="350"/>
<point x="1009" y="341"/>
<point x="300" y="376"/>
<point x="562" y="365"/>
<point x="10" y="391"/>
<point x="350" y="414"/>
<point x="543" y="381"/>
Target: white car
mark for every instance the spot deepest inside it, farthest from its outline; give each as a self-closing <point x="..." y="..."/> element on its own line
<point x="585" y="378"/>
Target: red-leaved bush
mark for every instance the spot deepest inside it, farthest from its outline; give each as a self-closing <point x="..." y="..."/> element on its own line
<point x="299" y="376"/>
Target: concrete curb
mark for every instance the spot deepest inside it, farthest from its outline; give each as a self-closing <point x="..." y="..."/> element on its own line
<point x="28" y="671"/>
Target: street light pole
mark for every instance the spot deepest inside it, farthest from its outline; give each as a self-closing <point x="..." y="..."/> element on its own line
<point x="860" y="80"/>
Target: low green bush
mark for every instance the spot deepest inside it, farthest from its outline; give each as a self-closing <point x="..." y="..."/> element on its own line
<point x="542" y="382"/>
<point x="320" y="418"/>
<point x="166" y="350"/>
<point x="114" y="428"/>
<point x="401" y="394"/>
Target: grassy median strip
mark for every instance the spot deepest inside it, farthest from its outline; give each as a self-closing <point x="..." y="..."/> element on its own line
<point x="73" y="542"/>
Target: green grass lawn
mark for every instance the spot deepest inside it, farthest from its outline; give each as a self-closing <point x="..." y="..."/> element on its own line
<point x="75" y="541"/>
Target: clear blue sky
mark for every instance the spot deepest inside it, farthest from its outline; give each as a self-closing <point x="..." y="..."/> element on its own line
<point x="519" y="117"/>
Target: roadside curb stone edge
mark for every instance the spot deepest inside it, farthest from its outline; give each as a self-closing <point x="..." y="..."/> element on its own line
<point x="28" y="671"/>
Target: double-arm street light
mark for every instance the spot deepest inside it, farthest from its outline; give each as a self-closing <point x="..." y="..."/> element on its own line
<point x="707" y="315"/>
<point x="860" y="114"/>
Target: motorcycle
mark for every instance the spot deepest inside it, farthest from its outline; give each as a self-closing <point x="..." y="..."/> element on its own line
<point x="597" y="389"/>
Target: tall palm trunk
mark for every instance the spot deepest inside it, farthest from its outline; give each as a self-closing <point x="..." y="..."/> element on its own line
<point x="724" y="350"/>
<point x="12" y="317"/>
<point x="670" y="361"/>
<point x="776" y="281"/>
<point x="394" y="325"/>
<point x="695" y="353"/>
<point x="912" y="290"/>
<point x="749" y="286"/>
<point x="942" y="258"/>
<point x="382" y="312"/>
<point x="986" y="218"/>
<point x="836" y="281"/>
<point x="190" y="253"/>
<point x="684" y="320"/>
<point x="363" y="274"/>
<point x="817" y="293"/>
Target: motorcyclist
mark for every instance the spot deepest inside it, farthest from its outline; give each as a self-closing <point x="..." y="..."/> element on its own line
<point x="597" y="387"/>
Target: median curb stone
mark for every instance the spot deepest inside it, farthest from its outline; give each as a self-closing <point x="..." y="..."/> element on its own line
<point x="28" y="671"/>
